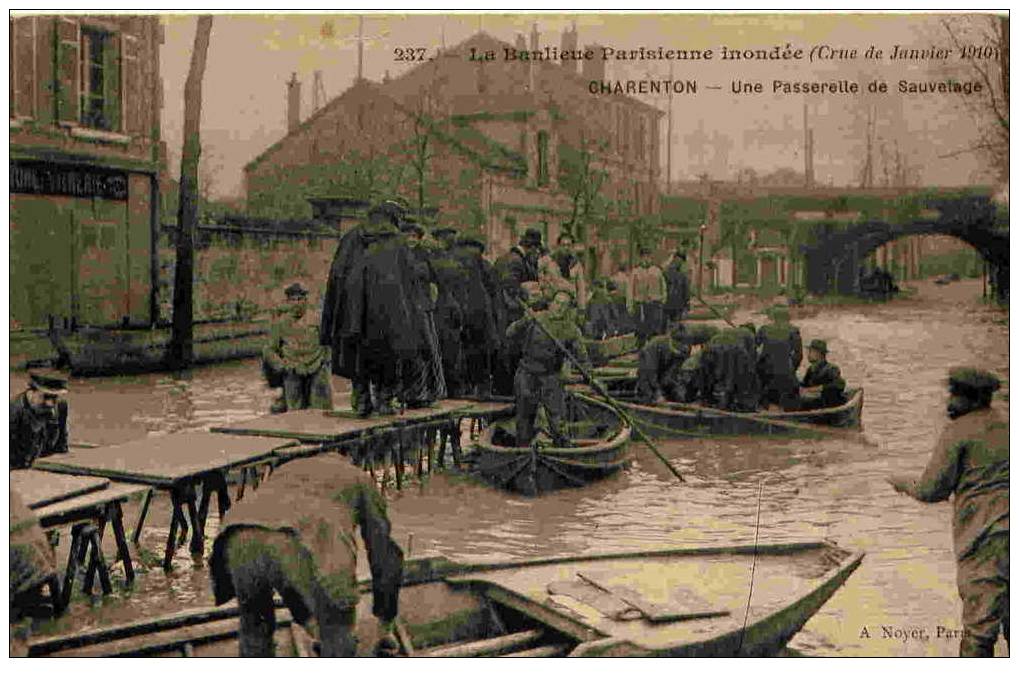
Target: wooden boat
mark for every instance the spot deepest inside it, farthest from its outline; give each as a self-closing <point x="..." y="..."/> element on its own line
<point x="659" y="420"/>
<point x="714" y="601"/>
<point x="600" y="437"/>
<point x="98" y="352"/>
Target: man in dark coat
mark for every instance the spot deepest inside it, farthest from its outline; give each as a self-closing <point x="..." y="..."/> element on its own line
<point x="971" y="462"/>
<point x="478" y="336"/>
<point x="599" y="317"/>
<point x="451" y="277"/>
<point x="729" y="362"/>
<point x="780" y="352"/>
<point x="677" y="282"/>
<point x="295" y="536"/>
<point x="512" y="270"/>
<point x="658" y="366"/>
<point x="693" y="380"/>
<point x="423" y="381"/>
<point x="538" y="381"/>
<point x="367" y="317"/>
<point x="822" y="385"/>
<point x="38" y="419"/>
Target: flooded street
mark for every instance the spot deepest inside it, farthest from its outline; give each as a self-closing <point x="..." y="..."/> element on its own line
<point x="806" y="489"/>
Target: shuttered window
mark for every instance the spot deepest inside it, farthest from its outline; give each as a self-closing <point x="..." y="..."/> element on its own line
<point x="100" y="79"/>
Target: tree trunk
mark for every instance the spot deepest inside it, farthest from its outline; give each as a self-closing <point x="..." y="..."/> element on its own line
<point x="181" y="351"/>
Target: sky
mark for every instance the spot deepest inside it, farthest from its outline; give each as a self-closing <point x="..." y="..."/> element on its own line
<point x="251" y="57"/>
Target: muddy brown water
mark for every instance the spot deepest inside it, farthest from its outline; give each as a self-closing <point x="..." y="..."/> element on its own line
<point x="902" y="601"/>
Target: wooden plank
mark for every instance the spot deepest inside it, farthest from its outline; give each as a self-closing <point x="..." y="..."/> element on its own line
<point x="54" y="513"/>
<point x="164" y="460"/>
<point x="484" y="647"/>
<point x="39" y="489"/>
<point x="688" y="606"/>
<point x="310" y="425"/>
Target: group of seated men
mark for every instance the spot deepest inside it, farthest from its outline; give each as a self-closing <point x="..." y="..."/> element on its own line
<point x="739" y="368"/>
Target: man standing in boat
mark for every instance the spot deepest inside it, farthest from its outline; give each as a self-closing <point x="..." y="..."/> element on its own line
<point x="971" y="462"/>
<point x="538" y="380"/>
<point x="295" y="537"/>
<point x="38" y="419"/>
<point x="778" y="357"/>
<point x="568" y="257"/>
<point x="822" y="386"/>
<point x="295" y="359"/>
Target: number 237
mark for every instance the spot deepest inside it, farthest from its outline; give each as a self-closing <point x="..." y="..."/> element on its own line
<point x="409" y="54"/>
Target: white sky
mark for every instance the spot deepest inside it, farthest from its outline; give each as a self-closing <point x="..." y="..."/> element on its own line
<point x="252" y="56"/>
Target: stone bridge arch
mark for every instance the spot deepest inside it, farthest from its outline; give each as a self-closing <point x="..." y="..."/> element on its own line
<point x="833" y="260"/>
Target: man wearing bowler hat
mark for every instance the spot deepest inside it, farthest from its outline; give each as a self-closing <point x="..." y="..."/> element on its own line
<point x="822" y="386"/>
<point x="39" y="419"/>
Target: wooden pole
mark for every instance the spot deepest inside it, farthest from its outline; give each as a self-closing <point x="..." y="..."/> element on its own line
<point x="181" y="351"/>
<point x="600" y="390"/>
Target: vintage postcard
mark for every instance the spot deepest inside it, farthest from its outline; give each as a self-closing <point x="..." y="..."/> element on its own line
<point x="449" y="334"/>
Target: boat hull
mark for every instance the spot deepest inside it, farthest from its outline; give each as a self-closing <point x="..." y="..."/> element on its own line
<point x="534" y="608"/>
<point x="602" y="451"/>
<point x="663" y="421"/>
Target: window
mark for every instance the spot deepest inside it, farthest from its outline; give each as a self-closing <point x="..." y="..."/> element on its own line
<point x="99" y="75"/>
<point x="542" y="158"/>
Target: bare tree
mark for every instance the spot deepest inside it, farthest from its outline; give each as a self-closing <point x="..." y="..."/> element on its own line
<point x="982" y="42"/>
<point x="181" y="349"/>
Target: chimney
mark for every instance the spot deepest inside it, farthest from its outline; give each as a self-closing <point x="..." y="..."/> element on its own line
<point x="534" y="37"/>
<point x="569" y="44"/>
<point x="521" y="43"/>
<point x="594" y="68"/>
<point x="293" y="103"/>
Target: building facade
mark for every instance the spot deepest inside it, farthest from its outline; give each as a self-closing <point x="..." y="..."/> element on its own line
<point x="494" y="145"/>
<point x="85" y="159"/>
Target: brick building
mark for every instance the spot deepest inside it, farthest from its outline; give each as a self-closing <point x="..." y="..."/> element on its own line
<point x="85" y="158"/>
<point x="483" y="141"/>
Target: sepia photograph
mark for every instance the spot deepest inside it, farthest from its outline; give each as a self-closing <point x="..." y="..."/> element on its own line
<point x="518" y="333"/>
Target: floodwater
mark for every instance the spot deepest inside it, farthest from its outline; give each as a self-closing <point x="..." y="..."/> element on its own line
<point x="902" y="601"/>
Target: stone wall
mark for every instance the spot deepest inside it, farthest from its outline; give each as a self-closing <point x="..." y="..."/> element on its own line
<point x="240" y="273"/>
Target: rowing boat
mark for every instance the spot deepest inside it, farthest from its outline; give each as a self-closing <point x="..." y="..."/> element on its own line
<point x="659" y="420"/>
<point x="744" y="600"/>
<point x="599" y="437"/>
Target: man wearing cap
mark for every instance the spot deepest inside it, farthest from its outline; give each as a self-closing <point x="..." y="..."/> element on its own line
<point x="296" y="537"/>
<point x="647" y="298"/>
<point x="295" y="358"/>
<point x="512" y="270"/>
<point x="677" y="301"/>
<point x="538" y="381"/>
<point x="779" y="354"/>
<point x="971" y="462"/>
<point x="659" y="363"/>
<point x="39" y="419"/>
<point x="822" y="385"/>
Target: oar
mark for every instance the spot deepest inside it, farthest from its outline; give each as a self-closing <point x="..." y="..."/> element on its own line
<point x="597" y="387"/>
<point x="82" y="445"/>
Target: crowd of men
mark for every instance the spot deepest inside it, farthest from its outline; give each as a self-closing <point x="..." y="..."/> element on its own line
<point x="411" y="317"/>
<point x="740" y="368"/>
